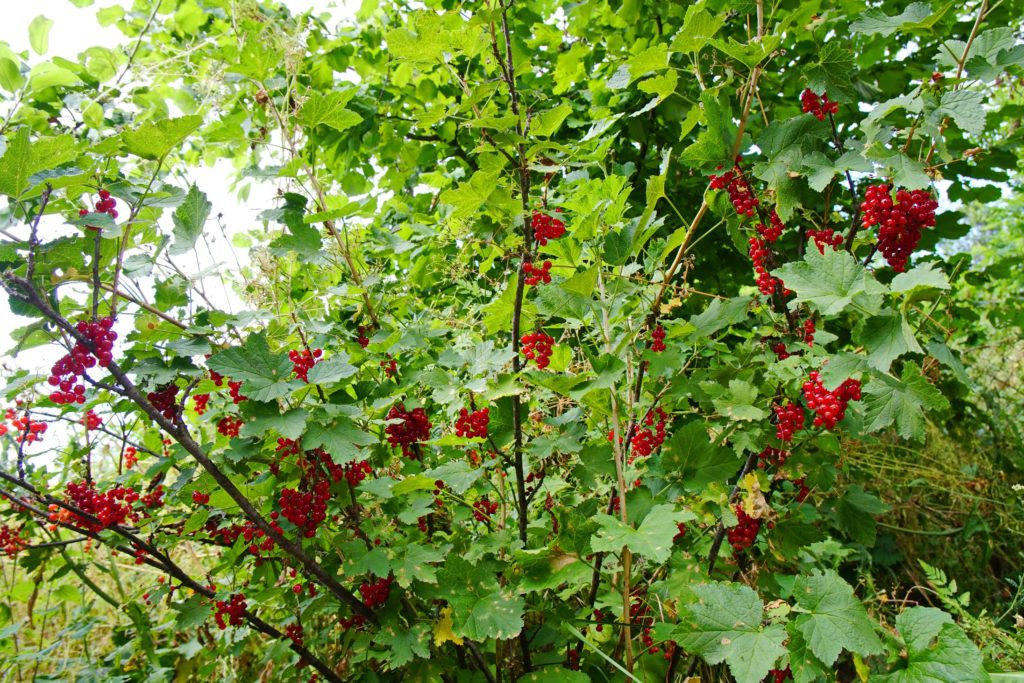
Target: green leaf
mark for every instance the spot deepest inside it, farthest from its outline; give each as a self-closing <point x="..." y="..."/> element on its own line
<point x="937" y="650"/>
<point x="481" y="609"/>
<point x="555" y="300"/>
<point x="155" y="140"/>
<point x="39" y="34"/>
<point x="691" y="457"/>
<point x="192" y="612"/>
<point x="725" y="626"/>
<point x="887" y="337"/>
<point x="548" y="122"/>
<point x="831" y="74"/>
<point x="23" y="159"/>
<point x="329" y="110"/>
<point x="945" y="355"/>
<point x="922" y="276"/>
<point x="608" y="368"/>
<point x="472" y="194"/>
<point x="699" y="27"/>
<point x="738" y="403"/>
<point x="719" y="314"/>
<point x="404" y="644"/>
<point x="414" y="562"/>
<point x="189" y="220"/>
<point x="290" y="424"/>
<point x="874" y="21"/>
<point x="906" y="172"/>
<point x="652" y="540"/>
<point x="841" y="367"/>
<point x="332" y="369"/>
<point x="341" y="439"/>
<point x="828" y="282"/>
<point x="264" y="374"/>
<point x="835" y="620"/>
<point x="714" y="144"/>
<point x="902" y="402"/>
<point x="965" y="108"/>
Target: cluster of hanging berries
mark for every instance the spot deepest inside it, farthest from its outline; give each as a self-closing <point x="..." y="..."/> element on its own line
<point x="303" y="361"/>
<point x="105" y="205"/>
<point x="362" y="336"/>
<point x="375" y="593"/>
<point x="293" y="632"/>
<point x="163" y="399"/>
<point x="390" y="366"/>
<point x="200" y="498"/>
<point x="789" y="420"/>
<point x="760" y="253"/>
<point x="200" y="402"/>
<point x="546" y="227"/>
<point x="254" y="536"/>
<point x="772" y="231"/>
<point x="640" y="614"/>
<point x="740" y="194"/>
<point x="829" y="406"/>
<point x="92" y="421"/>
<point x="825" y="238"/>
<point x="356" y="472"/>
<point x="473" y="424"/>
<point x="131" y="457"/>
<point x="743" y="535"/>
<point x="779" y="348"/>
<point x="483" y="509"/>
<point x="899" y="223"/>
<point x="646" y="440"/>
<point x="30" y="430"/>
<point x="779" y="675"/>
<point x="809" y="330"/>
<point x="657" y="343"/>
<point x="537" y="347"/>
<point x="229" y="425"/>
<point x="407" y="429"/>
<point x="820" y="107"/>
<point x="306" y="510"/>
<point x="680" y="532"/>
<point x="233" y="609"/>
<point x="11" y="541"/>
<point x="235" y="391"/>
<point x="773" y="457"/>
<point x="66" y="372"/>
<point x="109" y="507"/>
<point x="535" y="275"/>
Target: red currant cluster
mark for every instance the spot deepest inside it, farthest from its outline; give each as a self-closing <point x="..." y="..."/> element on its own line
<point x="572" y="659"/>
<point x="743" y="535"/>
<point x="306" y="510"/>
<point x="772" y="231"/>
<point x="809" y="330"/>
<point x="740" y="194"/>
<point x="233" y="609"/>
<point x="535" y="275"/>
<point x="680" y="532"/>
<point x="802" y="490"/>
<point x="473" y="425"/>
<point x="91" y="421"/>
<point x="408" y="429"/>
<point x="235" y="391"/>
<point x="779" y="348"/>
<point x="640" y="615"/>
<point x="131" y="457"/>
<point x="826" y="238"/>
<point x="30" y="430"/>
<point x="390" y="366"/>
<point x="646" y="441"/>
<point x="546" y="227"/>
<point x="163" y="399"/>
<point x="601" y="618"/>
<point x="105" y="205"/>
<point x="11" y="541"/>
<point x="109" y="507"/>
<point x="760" y="254"/>
<point x="829" y="406"/>
<point x="66" y="371"/>
<point x="780" y="675"/>
<point x="657" y="343"/>
<point x="200" y="498"/>
<point x="375" y="593"/>
<point x="773" y="457"/>
<point x="790" y="420"/>
<point x="229" y="426"/>
<point x="483" y="509"/>
<point x="303" y="361"/>
<point x="293" y="632"/>
<point x="818" y="106"/>
<point x="363" y="336"/>
<point x="537" y="347"/>
<point x="356" y="472"/>
<point x="201" y="400"/>
<point x="899" y="223"/>
<point x="155" y="498"/>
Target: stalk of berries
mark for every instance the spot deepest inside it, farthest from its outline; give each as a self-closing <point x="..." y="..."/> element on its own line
<point x="546" y="227"/>
<point x="303" y="361"/>
<point x="680" y="532"/>
<point x="772" y="231"/>
<point x="760" y="253"/>
<point x="790" y="420"/>
<point x="537" y="346"/>
<point x="235" y="391"/>
<point x="109" y="507"/>
<point x="308" y="510"/>
<point x="65" y="373"/>
<point x="779" y="675"/>
<point x="407" y="429"/>
<point x="780" y="351"/>
<point x="200" y="498"/>
<point x="363" y="336"/>
<point x="743" y="535"/>
<point x="375" y="593"/>
<point x="356" y="472"/>
<point x="232" y="608"/>
<point x="825" y="238"/>
<point x="390" y="366"/>
<point x="772" y="457"/>
<point x="11" y="541"/>
<point x="200" y="402"/>
<point x="483" y="509"/>
<point x="809" y="330"/>
<point x="899" y="223"/>
<point x="829" y="406"/>
<point x="657" y="343"/>
<point x="740" y="194"/>
<point x="293" y="632"/>
<point x="646" y="441"/>
<point x="131" y="457"/>
<point x="820" y="107"/>
<point x="473" y="425"/>
<point x="535" y="275"/>
<point x="163" y="399"/>
<point x="229" y="426"/>
<point x="91" y="421"/>
<point x="105" y="205"/>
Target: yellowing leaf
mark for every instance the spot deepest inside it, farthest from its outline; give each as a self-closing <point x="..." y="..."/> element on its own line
<point x="443" y="629"/>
